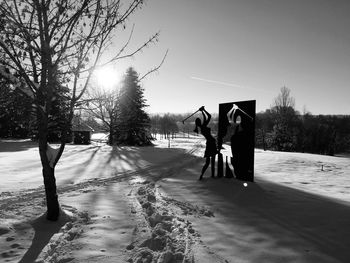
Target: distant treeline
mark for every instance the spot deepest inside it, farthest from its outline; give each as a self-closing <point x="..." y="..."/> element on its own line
<point x="320" y="134"/>
<point x="276" y="129"/>
<point x="169" y="124"/>
<point x="280" y="128"/>
<point x="283" y="128"/>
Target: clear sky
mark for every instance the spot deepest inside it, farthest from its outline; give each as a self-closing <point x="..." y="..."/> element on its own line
<point x="230" y="50"/>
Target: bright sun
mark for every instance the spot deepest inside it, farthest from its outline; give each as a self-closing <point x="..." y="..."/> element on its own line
<point x="107" y="77"/>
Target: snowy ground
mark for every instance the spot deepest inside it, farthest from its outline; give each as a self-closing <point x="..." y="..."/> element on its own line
<point x="129" y="204"/>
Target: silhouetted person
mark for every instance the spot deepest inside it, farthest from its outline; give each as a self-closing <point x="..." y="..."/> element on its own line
<point x="240" y="146"/>
<point x="210" y="149"/>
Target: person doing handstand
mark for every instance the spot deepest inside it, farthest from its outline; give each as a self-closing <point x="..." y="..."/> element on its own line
<point x="210" y="149"/>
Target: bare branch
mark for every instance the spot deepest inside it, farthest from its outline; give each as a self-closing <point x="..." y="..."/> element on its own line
<point x="156" y="68"/>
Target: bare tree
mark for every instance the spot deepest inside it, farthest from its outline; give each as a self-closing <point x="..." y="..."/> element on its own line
<point x="103" y="105"/>
<point x="46" y="43"/>
<point x="283" y="101"/>
<point x="168" y="125"/>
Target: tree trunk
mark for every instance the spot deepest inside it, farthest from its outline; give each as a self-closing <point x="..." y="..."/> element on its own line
<point x="112" y="132"/>
<point x="53" y="208"/>
<point x="48" y="171"/>
<point x="264" y="140"/>
<point x="110" y="137"/>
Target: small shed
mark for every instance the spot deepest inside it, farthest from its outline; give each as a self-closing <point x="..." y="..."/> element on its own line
<point x="81" y="133"/>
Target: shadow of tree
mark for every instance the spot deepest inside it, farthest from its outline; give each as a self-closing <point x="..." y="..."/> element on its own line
<point x="44" y="230"/>
<point x="138" y="156"/>
<point x="83" y="166"/>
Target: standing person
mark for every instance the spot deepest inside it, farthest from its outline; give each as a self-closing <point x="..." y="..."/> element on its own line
<point x="210" y="149"/>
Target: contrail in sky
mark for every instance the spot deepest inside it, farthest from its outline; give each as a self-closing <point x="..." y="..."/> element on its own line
<point x="225" y="83"/>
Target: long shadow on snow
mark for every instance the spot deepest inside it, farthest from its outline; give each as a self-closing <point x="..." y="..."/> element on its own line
<point x="44" y="230"/>
<point x="80" y="150"/>
<point x="83" y="166"/>
<point x="265" y="207"/>
<point x="140" y="157"/>
<point x="124" y="160"/>
<point x="162" y="160"/>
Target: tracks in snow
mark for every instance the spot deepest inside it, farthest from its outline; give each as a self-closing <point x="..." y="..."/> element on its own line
<point x="152" y="172"/>
<point x="166" y="234"/>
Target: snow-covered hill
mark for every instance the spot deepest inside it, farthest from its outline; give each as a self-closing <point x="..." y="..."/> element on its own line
<point x="129" y="204"/>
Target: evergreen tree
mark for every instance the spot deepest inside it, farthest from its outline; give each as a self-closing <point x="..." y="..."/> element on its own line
<point x="133" y="123"/>
<point x="15" y="112"/>
<point x="282" y="136"/>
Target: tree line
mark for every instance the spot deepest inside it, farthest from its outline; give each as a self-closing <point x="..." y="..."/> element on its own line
<point x="122" y="114"/>
<point x="320" y="134"/>
<point x="169" y="125"/>
<point x="283" y="128"/>
<point x="280" y="128"/>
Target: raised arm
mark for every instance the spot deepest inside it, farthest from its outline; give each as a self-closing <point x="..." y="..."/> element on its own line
<point x="206" y="118"/>
<point x="231" y="111"/>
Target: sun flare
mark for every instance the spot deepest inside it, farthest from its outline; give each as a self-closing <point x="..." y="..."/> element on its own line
<point x="107" y="77"/>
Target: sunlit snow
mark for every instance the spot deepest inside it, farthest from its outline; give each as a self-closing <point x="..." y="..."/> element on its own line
<point x="124" y="204"/>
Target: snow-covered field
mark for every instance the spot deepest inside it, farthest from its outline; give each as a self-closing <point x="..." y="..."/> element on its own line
<point x="130" y="204"/>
